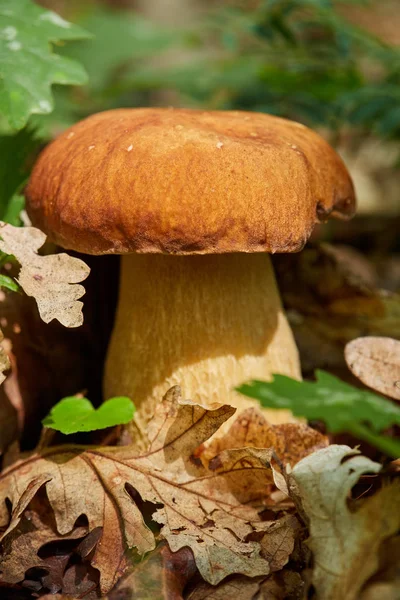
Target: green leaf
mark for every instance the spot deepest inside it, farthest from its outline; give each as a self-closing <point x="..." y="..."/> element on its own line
<point x="72" y="415"/>
<point x="119" y="39"/>
<point x="28" y="67"/>
<point x="341" y="406"/>
<point x="13" y="210"/>
<point x="8" y="283"/>
<point x="15" y="151"/>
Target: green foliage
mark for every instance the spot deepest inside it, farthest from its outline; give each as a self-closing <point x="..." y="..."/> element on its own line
<point x="120" y="41"/>
<point x="295" y="58"/>
<point x="15" y="151"/>
<point x="12" y="214"/>
<point x="73" y="415"/>
<point x="306" y="62"/>
<point x="28" y="67"/>
<point x="341" y="406"/>
<point x="8" y="283"/>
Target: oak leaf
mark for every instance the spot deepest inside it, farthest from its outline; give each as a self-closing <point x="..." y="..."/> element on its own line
<point x="52" y="280"/>
<point x="376" y="362"/>
<point x="290" y="441"/>
<point x="35" y="529"/>
<point x="345" y="540"/>
<point x="212" y="511"/>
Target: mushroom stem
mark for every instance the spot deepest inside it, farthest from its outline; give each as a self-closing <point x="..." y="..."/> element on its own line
<point x="206" y="323"/>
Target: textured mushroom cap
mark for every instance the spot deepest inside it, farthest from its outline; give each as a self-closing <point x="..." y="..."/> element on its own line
<point x="179" y="181"/>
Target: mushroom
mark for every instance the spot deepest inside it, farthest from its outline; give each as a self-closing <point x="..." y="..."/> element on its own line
<point x="194" y="201"/>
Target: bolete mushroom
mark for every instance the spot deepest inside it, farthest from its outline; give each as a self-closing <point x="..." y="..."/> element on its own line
<point x="194" y="201"/>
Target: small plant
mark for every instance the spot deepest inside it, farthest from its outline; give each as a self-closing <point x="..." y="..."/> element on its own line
<point x="73" y="414"/>
<point x="342" y="407"/>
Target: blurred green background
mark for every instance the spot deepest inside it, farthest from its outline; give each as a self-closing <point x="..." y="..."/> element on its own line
<point x="332" y="65"/>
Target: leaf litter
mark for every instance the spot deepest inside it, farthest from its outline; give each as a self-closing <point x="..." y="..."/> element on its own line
<point x="212" y="504"/>
<point x="345" y="538"/>
<point x="215" y="512"/>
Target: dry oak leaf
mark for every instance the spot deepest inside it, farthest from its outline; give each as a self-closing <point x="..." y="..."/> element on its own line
<point x="376" y="362"/>
<point x="345" y="542"/>
<point x="213" y="512"/>
<point x="291" y="441"/>
<point x="51" y="280"/>
<point x="35" y="529"/>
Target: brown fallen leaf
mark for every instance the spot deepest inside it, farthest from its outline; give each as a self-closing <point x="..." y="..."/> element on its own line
<point x="35" y="529"/>
<point x="212" y="511"/>
<point x="8" y="412"/>
<point x="51" y="280"/>
<point x="345" y="540"/>
<point x="385" y="584"/>
<point x="163" y="575"/>
<point x="376" y="362"/>
<point x="290" y="441"/>
<point x="285" y="585"/>
<point x="81" y="582"/>
<point x="239" y="588"/>
<point x="278" y="544"/>
<point x="4" y="361"/>
<point x="11" y="385"/>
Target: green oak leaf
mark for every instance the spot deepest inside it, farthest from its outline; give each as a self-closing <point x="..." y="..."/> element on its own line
<point x="73" y="415"/>
<point x="28" y="67"/>
<point x="341" y="406"/>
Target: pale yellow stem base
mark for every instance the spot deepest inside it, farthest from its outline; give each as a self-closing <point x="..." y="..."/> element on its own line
<point x="206" y="323"/>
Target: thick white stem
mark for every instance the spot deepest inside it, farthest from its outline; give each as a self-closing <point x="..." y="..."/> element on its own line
<point x="206" y="323"/>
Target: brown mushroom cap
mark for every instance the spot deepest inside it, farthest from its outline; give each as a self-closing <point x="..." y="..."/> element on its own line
<point x="181" y="181"/>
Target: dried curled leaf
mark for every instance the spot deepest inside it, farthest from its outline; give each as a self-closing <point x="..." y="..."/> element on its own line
<point x="345" y="542"/>
<point x="376" y="362"/>
<point x="291" y="441"/>
<point x="51" y="280"/>
<point x="212" y="511"/>
<point x="4" y="360"/>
